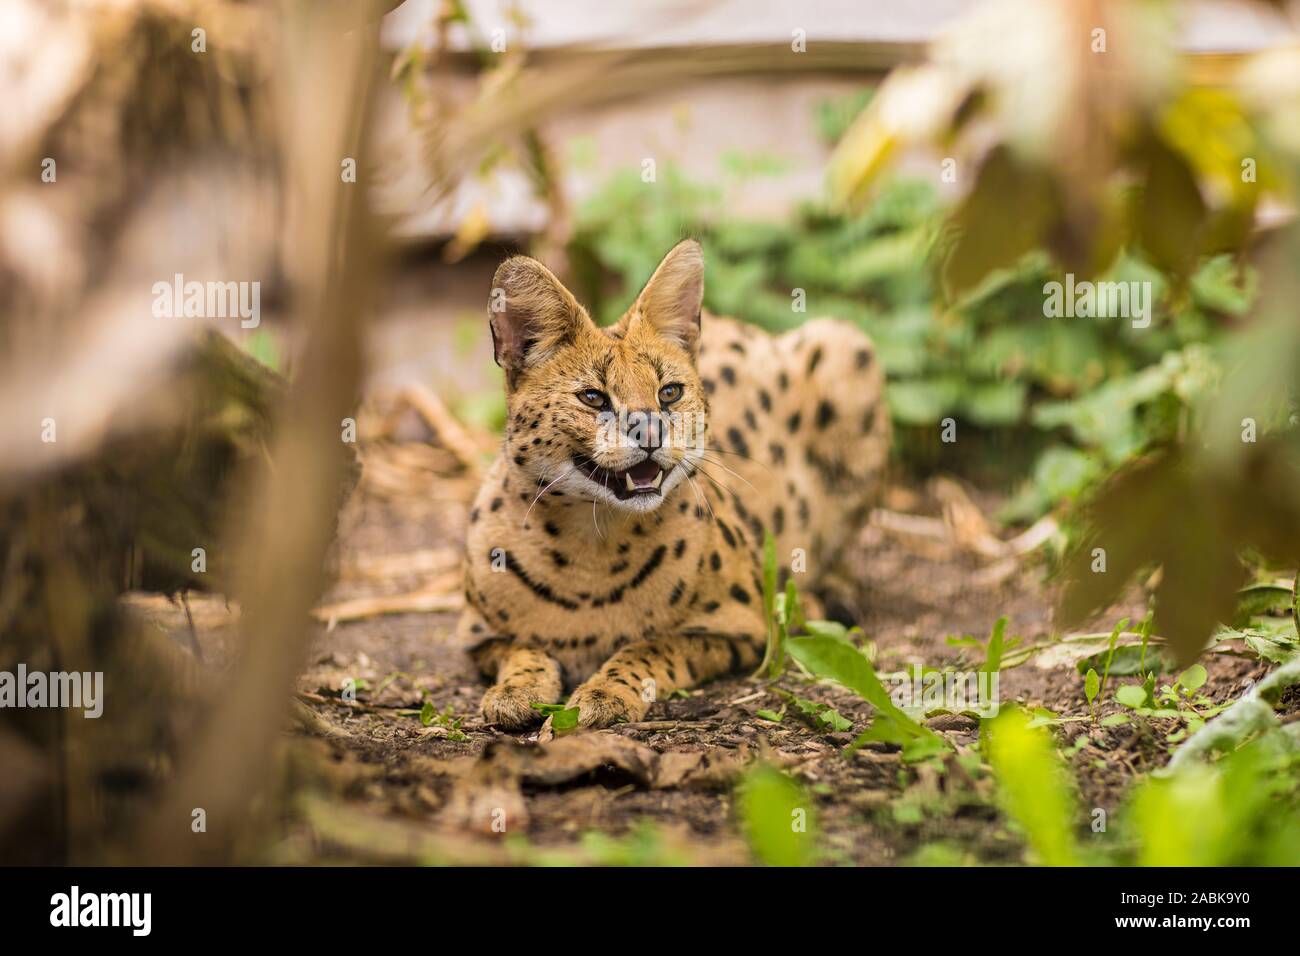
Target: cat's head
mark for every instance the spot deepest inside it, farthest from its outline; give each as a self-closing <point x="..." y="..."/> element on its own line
<point x="615" y="414"/>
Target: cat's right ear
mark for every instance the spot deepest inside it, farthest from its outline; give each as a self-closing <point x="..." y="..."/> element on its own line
<point x="531" y="314"/>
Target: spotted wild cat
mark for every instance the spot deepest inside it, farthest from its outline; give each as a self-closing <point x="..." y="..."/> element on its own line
<point x="614" y="546"/>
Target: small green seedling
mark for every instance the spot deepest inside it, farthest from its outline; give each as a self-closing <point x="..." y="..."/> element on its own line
<point x="429" y="717"/>
<point x="1178" y="700"/>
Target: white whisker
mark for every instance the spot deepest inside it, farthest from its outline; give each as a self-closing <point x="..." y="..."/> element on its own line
<point x="544" y="490"/>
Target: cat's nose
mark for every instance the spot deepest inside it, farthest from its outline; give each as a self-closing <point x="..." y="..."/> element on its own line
<point x="645" y="429"/>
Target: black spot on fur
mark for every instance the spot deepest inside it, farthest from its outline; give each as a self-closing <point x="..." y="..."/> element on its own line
<point x="869" y="418"/>
<point x="540" y="588"/>
<point x="728" y="374"/>
<point x="496" y="504"/>
<point x="648" y="568"/>
<point x="778" y="453"/>
<point x="764" y="400"/>
<point x="832" y="473"/>
<point x="814" y="360"/>
<point x="715" y="561"/>
<point x="825" y="413"/>
<point x="737" y="440"/>
<point x="679" y="548"/>
<point x="793" y="422"/>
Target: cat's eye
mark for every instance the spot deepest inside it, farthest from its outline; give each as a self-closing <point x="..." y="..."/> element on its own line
<point x="670" y="393"/>
<point x="593" y="398"/>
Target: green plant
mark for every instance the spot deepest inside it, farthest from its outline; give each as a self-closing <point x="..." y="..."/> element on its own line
<point x="430" y="717"/>
<point x="1032" y="785"/>
<point x="1053" y="404"/>
<point x="777" y="816"/>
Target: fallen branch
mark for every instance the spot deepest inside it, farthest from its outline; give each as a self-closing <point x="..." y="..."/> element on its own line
<point x="451" y="433"/>
<point x="423" y="601"/>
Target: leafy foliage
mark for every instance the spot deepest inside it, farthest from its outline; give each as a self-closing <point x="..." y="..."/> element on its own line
<point x="1081" y="394"/>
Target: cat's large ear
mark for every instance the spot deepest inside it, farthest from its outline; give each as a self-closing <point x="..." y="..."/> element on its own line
<point x="671" y="300"/>
<point x="531" y="314"/>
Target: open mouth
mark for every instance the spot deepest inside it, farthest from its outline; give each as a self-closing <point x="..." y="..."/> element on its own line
<point x="643" y="478"/>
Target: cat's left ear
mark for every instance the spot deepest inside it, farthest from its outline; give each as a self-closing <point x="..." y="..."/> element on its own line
<point x="671" y="300"/>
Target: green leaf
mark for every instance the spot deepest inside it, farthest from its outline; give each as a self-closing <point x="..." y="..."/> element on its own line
<point x="774" y="656"/>
<point x="1132" y="696"/>
<point x="1193" y="678"/>
<point x="1129" y="660"/>
<point x="772" y="715"/>
<point x="566" y="719"/>
<point x="1031" y="785"/>
<point x="923" y="402"/>
<point x="1110" y="651"/>
<point x="831" y="629"/>
<point x="823" y="716"/>
<point x="832" y="659"/>
<point x="1091" y="685"/>
<point x="562" y="718"/>
<point x="992" y="404"/>
<point x="1263" y="598"/>
<point x="777" y="818"/>
<point x="993" y="653"/>
<point x="427" y="713"/>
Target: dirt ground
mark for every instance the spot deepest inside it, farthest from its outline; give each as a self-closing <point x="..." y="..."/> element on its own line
<point x="371" y="781"/>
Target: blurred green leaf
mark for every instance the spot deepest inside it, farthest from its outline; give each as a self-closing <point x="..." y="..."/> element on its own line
<point x="778" y="818"/>
<point x="1032" y="787"/>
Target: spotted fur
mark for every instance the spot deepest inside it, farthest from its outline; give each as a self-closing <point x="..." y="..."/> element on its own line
<point x="628" y="592"/>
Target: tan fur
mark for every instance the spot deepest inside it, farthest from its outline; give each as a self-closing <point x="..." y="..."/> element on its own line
<point x="630" y="600"/>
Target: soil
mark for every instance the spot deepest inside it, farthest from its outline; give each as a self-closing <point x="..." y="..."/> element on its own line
<point x="371" y="782"/>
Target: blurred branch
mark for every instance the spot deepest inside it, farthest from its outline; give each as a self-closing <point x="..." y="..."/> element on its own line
<point x="330" y="61"/>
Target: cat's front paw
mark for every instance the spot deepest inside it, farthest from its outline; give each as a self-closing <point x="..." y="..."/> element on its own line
<point x="510" y="705"/>
<point x="603" y="704"/>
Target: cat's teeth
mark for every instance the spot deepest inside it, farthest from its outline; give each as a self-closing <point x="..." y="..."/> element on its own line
<point x="658" y="478"/>
<point x="631" y="485"/>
